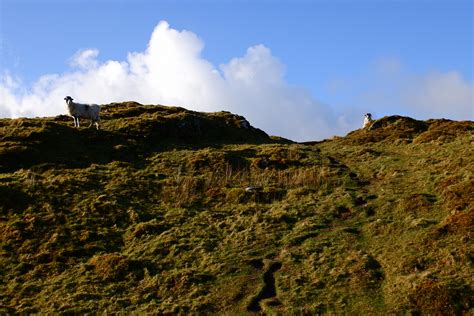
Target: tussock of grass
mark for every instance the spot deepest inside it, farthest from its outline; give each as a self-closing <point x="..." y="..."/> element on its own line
<point x="154" y="214"/>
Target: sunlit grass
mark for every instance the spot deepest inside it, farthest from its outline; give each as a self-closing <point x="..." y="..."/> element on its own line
<point x="143" y="217"/>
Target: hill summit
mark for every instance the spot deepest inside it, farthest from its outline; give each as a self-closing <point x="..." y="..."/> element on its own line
<point x="167" y="210"/>
<point x="129" y="130"/>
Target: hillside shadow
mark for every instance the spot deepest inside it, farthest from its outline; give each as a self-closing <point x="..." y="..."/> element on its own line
<point x="30" y="142"/>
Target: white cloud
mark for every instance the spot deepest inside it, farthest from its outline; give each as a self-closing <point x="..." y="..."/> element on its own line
<point x="171" y="71"/>
<point x="389" y="88"/>
<point x="441" y="95"/>
<point x="85" y="58"/>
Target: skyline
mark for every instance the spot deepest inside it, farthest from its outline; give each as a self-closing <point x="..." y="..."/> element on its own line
<point x="303" y="70"/>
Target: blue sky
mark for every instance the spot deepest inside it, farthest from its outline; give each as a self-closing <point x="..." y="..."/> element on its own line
<point x="345" y="57"/>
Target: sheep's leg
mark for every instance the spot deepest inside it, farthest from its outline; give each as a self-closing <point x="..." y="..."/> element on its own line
<point x="77" y="122"/>
<point x="97" y="125"/>
<point x="92" y="122"/>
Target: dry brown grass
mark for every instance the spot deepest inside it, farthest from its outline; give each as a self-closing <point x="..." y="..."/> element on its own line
<point x="186" y="190"/>
<point x="152" y="215"/>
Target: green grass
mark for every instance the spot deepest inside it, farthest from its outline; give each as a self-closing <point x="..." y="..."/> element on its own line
<point x="151" y="214"/>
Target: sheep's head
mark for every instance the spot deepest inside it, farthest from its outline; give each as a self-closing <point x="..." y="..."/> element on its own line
<point x="368" y="116"/>
<point x="68" y="98"/>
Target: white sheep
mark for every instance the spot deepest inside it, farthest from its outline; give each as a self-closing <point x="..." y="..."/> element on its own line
<point x="367" y="119"/>
<point x="88" y="111"/>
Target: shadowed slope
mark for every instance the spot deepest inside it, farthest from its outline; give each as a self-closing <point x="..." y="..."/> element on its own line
<point x="169" y="211"/>
<point x="129" y="131"/>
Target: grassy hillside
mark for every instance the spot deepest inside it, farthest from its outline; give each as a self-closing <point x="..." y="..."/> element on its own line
<point x="166" y="210"/>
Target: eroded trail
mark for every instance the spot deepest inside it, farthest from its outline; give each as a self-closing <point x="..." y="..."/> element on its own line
<point x="268" y="290"/>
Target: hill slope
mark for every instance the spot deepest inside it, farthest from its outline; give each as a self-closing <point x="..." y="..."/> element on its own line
<point x="168" y="210"/>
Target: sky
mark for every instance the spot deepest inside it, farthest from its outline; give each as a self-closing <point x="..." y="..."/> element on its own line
<point x="304" y="70"/>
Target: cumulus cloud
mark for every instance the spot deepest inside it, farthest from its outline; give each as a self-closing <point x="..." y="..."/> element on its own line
<point x="85" y="59"/>
<point x="172" y="71"/>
